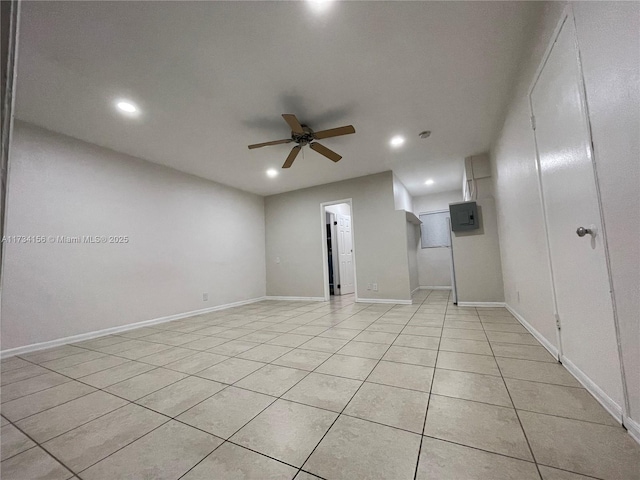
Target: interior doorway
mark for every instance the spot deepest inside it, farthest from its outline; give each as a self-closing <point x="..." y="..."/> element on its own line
<point x="338" y="248"/>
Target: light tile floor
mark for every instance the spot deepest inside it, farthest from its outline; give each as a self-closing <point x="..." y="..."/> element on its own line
<point x="283" y="390"/>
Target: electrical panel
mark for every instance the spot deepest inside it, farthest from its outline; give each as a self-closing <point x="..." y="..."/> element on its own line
<point x="464" y="216"/>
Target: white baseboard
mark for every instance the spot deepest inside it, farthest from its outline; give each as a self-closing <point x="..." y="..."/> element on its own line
<point x="295" y="299"/>
<point x="605" y="400"/>
<point x="415" y="290"/>
<point x="434" y="287"/>
<point x="122" y="328"/>
<point x="633" y="428"/>
<point x="553" y="350"/>
<point x="383" y="300"/>
<point x="481" y="304"/>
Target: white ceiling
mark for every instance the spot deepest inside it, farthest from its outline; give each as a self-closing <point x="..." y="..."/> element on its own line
<point x="213" y="77"/>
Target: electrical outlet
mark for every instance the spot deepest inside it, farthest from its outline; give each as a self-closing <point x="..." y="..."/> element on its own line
<point x="368" y="286"/>
<point x="205" y="297"/>
<point x="277" y="259"/>
<point x="375" y="287"/>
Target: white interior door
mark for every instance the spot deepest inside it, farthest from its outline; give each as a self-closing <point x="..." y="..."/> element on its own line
<point x="345" y="254"/>
<point x="570" y="198"/>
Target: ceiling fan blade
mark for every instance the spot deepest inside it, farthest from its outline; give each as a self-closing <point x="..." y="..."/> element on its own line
<point x="322" y="150"/>
<point x="293" y="122"/>
<point x="334" y="132"/>
<point x="275" y="142"/>
<point x="292" y="156"/>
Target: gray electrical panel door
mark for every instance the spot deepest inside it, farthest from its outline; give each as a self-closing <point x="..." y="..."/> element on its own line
<point x="464" y="216"/>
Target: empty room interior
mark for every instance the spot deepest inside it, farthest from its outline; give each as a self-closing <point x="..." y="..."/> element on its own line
<point x="316" y="239"/>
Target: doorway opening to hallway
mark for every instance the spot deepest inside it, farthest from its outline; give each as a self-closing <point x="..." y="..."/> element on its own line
<point x="338" y="248"/>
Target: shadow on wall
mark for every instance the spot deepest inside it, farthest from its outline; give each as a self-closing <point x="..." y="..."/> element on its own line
<point x="477" y="262"/>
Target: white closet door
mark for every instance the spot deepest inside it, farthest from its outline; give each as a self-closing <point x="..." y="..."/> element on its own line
<point x="570" y="198"/>
<point x="345" y="254"/>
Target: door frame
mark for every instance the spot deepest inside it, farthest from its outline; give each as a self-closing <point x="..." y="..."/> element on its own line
<point x="568" y="16"/>
<point x="454" y="288"/>
<point x="334" y="260"/>
<point x="454" y="291"/>
<point x="325" y="253"/>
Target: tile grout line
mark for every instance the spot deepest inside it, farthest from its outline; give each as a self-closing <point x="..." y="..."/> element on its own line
<point x="174" y="418"/>
<point x="39" y="445"/>
<point x="493" y="356"/>
<point x="224" y="440"/>
<point x="169" y="418"/>
<point x="353" y="339"/>
<point x="107" y="354"/>
<point x="495" y="453"/>
<point x="354" y="394"/>
<point x="426" y="412"/>
<point x="104" y="391"/>
<point x="97" y="390"/>
<point x="346" y="404"/>
<point x="255" y="416"/>
<point x="77" y="345"/>
<point x="517" y="416"/>
<point x="206" y="351"/>
<point x="335" y="325"/>
<point x="129" y="403"/>
<point x="546" y="414"/>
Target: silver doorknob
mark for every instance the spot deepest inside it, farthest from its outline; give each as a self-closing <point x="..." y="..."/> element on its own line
<point x="581" y="231"/>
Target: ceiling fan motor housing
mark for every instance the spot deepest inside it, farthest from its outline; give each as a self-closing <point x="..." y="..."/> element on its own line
<point x="305" y="138"/>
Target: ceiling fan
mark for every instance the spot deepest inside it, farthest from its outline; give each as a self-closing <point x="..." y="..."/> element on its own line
<point x="303" y="135"/>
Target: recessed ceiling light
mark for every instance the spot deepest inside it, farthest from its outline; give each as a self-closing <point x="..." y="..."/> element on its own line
<point x="425" y="134"/>
<point x="397" y="141"/>
<point x="272" y="172"/>
<point x="320" y="6"/>
<point x="127" y="107"/>
<point x="429" y="182"/>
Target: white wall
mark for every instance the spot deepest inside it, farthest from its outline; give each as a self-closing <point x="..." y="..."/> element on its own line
<point x="527" y="278"/>
<point x="187" y="236"/>
<point x="475" y="167"/>
<point x="404" y="201"/>
<point x="401" y="196"/>
<point x="413" y="245"/>
<point x="339" y="209"/>
<point x="476" y="253"/>
<point x="434" y="264"/>
<point x="293" y="222"/>
<point x="608" y="42"/>
<point x="436" y="201"/>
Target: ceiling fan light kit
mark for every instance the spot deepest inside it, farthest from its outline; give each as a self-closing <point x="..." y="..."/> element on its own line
<point x="303" y="135"/>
